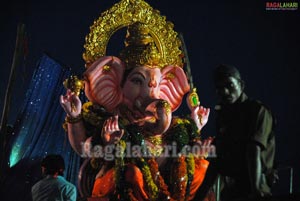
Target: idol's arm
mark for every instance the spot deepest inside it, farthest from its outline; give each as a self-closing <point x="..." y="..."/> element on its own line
<point x="76" y="131"/>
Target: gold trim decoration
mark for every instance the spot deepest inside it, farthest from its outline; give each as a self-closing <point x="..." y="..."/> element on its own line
<point x="140" y="48"/>
<point x="74" y="84"/>
<point x="126" y="13"/>
<point x="156" y="140"/>
<point x="106" y="68"/>
<point x="193" y="98"/>
<point x="165" y="105"/>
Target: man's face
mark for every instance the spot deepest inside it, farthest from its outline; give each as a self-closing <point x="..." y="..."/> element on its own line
<point x="228" y="89"/>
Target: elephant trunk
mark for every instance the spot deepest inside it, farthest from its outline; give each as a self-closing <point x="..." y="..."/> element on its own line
<point x="158" y="118"/>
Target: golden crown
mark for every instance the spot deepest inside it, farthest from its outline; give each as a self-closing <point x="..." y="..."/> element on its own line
<point x="150" y="39"/>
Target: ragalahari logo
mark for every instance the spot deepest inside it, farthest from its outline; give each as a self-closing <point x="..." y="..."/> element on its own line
<point x="281" y="5"/>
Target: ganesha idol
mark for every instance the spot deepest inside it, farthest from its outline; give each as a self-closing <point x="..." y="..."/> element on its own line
<point x="132" y="98"/>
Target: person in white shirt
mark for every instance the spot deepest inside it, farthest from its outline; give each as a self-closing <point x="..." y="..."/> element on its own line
<point x="53" y="187"/>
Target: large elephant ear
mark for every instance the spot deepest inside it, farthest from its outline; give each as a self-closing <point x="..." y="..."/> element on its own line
<point x="173" y="86"/>
<point x="102" y="82"/>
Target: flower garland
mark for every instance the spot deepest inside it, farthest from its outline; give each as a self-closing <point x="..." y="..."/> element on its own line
<point x="182" y="169"/>
<point x="182" y="131"/>
<point x="119" y="171"/>
<point x="190" y="161"/>
<point x="151" y="185"/>
<point x="179" y="178"/>
<point x="164" y="193"/>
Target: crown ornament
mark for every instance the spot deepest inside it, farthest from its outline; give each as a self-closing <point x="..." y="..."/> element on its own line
<point x="140" y="48"/>
<point x="150" y="39"/>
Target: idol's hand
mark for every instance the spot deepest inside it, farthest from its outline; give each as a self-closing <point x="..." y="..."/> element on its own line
<point x="111" y="133"/>
<point x="204" y="147"/>
<point x="71" y="104"/>
<point x="200" y="115"/>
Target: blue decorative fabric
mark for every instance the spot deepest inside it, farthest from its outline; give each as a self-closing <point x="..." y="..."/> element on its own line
<point x="38" y="131"/>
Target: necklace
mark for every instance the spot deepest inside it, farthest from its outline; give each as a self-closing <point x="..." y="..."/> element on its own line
<point x="156" y="139"/>
<point x="154" y="145"/>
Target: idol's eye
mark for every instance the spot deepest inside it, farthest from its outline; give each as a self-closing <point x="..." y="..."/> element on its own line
<point x="136" y="80"/>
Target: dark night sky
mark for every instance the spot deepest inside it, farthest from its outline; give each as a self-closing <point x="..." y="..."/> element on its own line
<point x="264" y="45"/>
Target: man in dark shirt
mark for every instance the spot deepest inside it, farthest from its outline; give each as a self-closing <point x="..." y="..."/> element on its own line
<point x="245" y="142"/>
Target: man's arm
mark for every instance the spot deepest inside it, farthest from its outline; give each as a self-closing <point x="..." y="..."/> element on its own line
<point x="71" y="192"/>
<point x="258" y="143"/>
<point x="254" y="167"/>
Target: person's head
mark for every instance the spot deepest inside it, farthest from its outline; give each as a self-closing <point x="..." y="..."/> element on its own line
<point x="228" y="83"/>
<point x="53" y="165"/>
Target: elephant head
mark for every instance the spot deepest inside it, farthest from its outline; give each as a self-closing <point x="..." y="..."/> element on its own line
<point x="143" y="92"/>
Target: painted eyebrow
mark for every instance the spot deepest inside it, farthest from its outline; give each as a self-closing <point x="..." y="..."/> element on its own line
<point x="138" y="74"/>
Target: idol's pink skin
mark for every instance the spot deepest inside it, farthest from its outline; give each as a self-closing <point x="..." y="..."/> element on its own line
<point x="76" y="131"/>
<point x="111" y="132"/>
<point x="199" y="114"/>
<point x="142" y="92"/>
<point x="103" y="84"/>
